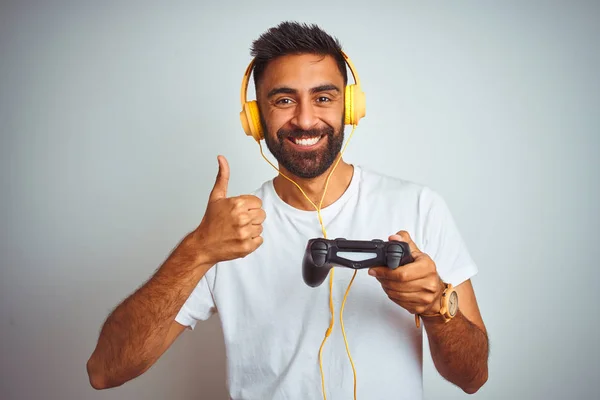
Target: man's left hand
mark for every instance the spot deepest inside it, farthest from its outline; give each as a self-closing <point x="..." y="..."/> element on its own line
<point x="416" y="286"/>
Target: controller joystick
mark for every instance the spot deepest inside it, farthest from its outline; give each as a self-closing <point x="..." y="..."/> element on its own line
<point x="322" y="254"/>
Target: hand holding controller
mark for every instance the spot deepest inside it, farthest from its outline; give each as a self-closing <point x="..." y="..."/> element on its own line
<point x="322" y="254"/>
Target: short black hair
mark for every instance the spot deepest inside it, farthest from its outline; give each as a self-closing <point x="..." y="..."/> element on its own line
<point x="295" y="38"/>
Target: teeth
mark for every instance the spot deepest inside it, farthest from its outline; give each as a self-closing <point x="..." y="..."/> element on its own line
<point x="307" y="142"/>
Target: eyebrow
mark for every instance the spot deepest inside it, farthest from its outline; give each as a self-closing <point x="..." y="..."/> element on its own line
<point x="288" y="90"/>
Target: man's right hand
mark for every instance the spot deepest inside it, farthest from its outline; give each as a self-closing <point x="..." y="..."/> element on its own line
<point x="231" y="226"/>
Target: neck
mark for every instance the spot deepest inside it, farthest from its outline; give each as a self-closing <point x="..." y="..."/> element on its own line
<point x="313" y="188"/>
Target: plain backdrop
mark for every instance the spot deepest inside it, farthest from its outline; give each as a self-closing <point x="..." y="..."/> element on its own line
<point x="112" y="115"/>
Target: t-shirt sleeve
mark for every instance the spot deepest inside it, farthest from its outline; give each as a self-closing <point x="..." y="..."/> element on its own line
<point x="200" y="305"/>
<point x="443" y="242"/>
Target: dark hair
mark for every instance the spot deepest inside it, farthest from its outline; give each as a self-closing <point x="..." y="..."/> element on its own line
<point x="294" y="38"/>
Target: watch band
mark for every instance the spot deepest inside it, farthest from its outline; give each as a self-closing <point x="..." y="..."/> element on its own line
<point x="443" y="307"/>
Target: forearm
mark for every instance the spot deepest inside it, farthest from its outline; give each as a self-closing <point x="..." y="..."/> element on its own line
<point x="459" y="350"/>
<point x="133" y="335"/>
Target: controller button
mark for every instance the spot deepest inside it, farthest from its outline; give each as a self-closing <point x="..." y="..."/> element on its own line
<point x="319" y="245"/>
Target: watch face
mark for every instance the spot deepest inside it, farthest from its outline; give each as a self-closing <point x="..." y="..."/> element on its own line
<point x="453" y="304"/>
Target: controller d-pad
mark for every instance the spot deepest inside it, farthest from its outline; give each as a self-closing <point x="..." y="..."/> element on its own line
<point x="319" y="253"/>
<point x="393" y="255"/>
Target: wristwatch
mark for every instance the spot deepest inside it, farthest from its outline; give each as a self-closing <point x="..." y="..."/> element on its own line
<point x="448" y="306"/>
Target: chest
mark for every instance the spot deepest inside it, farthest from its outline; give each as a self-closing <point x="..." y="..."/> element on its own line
<point x="267" y="287"/>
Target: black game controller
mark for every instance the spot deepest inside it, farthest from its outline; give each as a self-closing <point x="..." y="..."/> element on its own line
<point x="322" y="254"/>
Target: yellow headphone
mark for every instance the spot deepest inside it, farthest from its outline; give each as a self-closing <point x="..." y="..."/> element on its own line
<point x="354" y="103"/>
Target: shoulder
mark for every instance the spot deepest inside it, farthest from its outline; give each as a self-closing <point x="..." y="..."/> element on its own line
<point x="413" y="200"/>
<point x="382" y="184"/>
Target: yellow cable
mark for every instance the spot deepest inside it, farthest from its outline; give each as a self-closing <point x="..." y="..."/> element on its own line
<point x="331" y="308"/>
<point x="344" y="332"/>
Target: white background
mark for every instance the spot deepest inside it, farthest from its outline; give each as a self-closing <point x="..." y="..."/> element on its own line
<point x="112" y="115"/>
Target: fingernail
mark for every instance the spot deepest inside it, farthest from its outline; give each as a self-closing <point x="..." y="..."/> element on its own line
<point x="372" y="272"/>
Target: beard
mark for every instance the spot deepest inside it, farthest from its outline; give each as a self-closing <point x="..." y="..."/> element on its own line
<point x="305" y="164"/>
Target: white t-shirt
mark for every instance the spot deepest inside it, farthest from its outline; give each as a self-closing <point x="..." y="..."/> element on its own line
<point x="273" y="323"/>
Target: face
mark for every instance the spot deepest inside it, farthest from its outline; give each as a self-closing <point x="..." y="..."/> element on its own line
<point x="301" y="98"/>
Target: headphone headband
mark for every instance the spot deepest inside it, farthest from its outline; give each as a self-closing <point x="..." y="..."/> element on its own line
<point x="352" y="69"/>
<point x="245" y="82"/>
<point x="354" y="103"/>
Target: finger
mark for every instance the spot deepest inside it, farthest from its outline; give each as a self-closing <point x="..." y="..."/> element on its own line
<point x="257" y="216"/>
<point x="255" y="231"/>
<point x="412" y="298"/>
<point x="424" y="285"/>
<point x="250" y="202"/>
<point x="404" y="236"/>
<point x="257" y="242"/>
<point x="219" y="190"/>
<point x="419" y="268"/>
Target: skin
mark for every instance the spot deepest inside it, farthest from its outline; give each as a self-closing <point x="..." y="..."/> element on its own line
<point x="143" y="326"/>
<point x="305" y="109"/>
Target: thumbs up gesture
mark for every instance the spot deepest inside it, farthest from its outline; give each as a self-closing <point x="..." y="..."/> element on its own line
<point x="231" y="226"/>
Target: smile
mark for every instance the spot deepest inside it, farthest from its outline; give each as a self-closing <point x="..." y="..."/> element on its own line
<point x="306" y="142"/>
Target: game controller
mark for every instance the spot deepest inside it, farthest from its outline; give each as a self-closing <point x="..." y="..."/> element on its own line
<point x="322" y="254"/>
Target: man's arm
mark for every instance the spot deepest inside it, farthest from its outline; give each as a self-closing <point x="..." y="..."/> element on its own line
<point x="459" y="348"/>
<point x="143" y="326"/>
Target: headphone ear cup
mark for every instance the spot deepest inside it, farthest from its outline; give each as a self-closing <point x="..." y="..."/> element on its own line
<point x="250" y="119"/>
<point x="348" y="105"/>
<point x="354" y="105"/>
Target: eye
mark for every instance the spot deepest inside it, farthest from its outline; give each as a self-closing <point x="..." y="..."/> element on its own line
<point x="284" y="101"/>
<point x="323" y="99"/>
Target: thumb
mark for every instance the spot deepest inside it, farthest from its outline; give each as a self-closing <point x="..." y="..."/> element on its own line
<point x="219" y="191"/>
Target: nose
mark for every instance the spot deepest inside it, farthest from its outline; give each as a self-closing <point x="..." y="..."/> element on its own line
<point x="305" y="116"/>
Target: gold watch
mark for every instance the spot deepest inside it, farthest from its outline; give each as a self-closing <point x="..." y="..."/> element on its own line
<point x="448" y="306"/>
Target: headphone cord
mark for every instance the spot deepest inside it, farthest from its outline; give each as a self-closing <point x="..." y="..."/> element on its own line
<point x="331" y="308"/>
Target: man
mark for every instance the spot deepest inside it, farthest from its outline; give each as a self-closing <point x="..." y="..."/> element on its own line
<point x="244" y="260"/>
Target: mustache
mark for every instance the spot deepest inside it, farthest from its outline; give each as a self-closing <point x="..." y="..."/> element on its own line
<point x="298" y="133"/>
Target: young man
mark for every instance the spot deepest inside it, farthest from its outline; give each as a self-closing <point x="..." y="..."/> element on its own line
<point x="244" y="260"/>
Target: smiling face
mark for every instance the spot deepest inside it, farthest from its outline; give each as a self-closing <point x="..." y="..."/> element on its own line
<point x="301" y="98"/>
